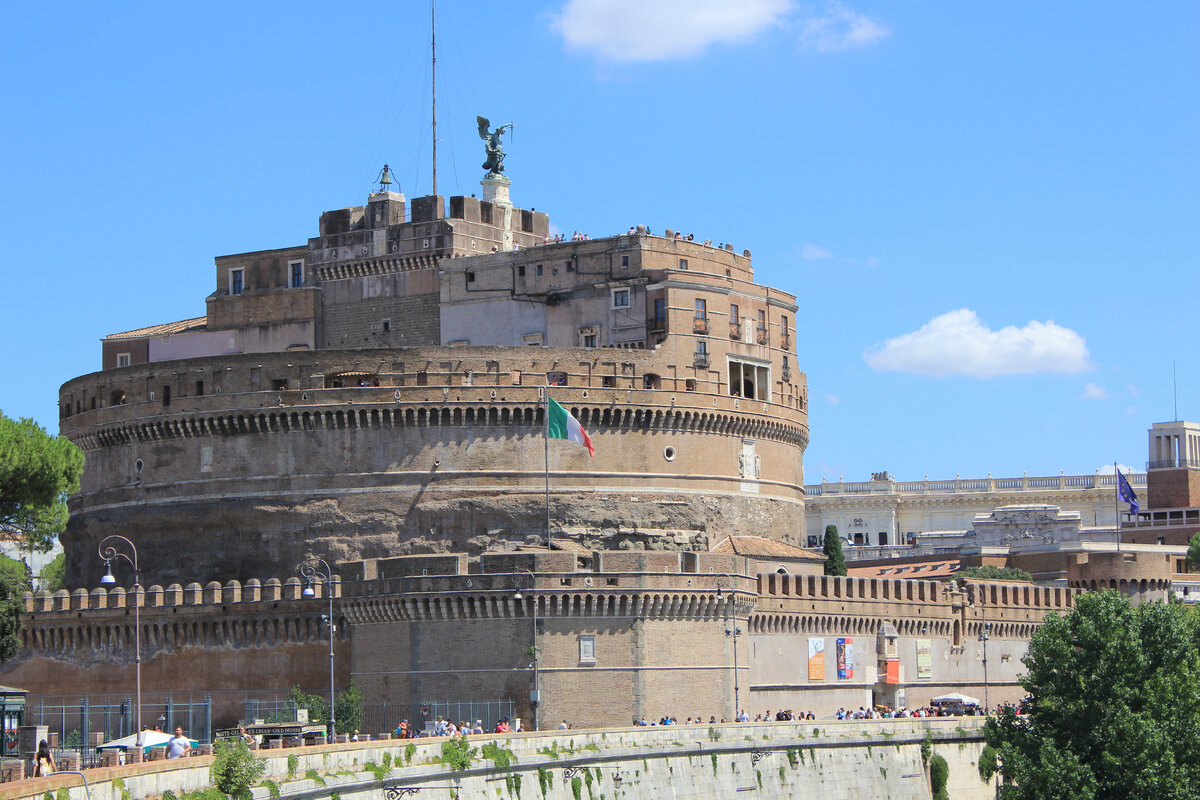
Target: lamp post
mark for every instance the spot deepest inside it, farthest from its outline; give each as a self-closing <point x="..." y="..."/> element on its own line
<point x="534" y="696"/>
<point x="112" y="547"/>
<point x="985" y="634"/>
<point x="734" y="631"/>
<point x="313" y="569"/>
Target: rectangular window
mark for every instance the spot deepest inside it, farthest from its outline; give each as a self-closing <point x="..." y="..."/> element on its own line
<point x="734" y="316"/>
<point x="470" y="276"/>
<point x="683" y="263"/>
<point x="532" y="340"/>
<point x="521" y="271"/>
<point x="422" y="378"/>
<point x="589" y="336"/>
<point x="701" y="347"/>
<point x="236" y="280"/>
<point x="279" y="384"/>
<point x="199" y="388"/>
<point x="556" y="379"/>
<point x="166" y="396"/>
<point x="624" y="261"/>
<point x="620" y="298"/>
<point x="660" y="313"/>
<point x="123" y="359"/>
<point x="538" y="270"/>
<point x="516" y="377"/>
<point x="762" y="320"/>
<point x="296" y="270"/>
<point x="701" y="308"/>
<point x="387" y="325"/>
<point x="608" y="381"/>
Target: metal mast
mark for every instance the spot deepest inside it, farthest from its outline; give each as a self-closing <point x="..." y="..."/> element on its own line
<point x="433" y="73"/>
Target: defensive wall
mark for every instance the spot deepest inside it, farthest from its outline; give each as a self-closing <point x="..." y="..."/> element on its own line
<point x="618" y="635"/>
<point x="853" y="759"/>
<point x="263" y="459"/>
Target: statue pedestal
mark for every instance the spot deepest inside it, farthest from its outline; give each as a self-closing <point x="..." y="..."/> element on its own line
<point x="495" y="191"/>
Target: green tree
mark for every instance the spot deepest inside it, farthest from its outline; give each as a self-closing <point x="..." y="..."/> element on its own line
<point x="1113" y="706"/>
<point x="54" y="573"/>
<point x="349" y="709"/>
<point x="1193" y="554"/>
<point x="14" y="582"/>
<point x="37" y="473"/>
<point x="317" y="705"/>
<point x="835" y="560"/>
<point x="990" y="573"/>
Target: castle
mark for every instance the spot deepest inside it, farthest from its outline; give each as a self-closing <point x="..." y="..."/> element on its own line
<point x="376" y="398"/>
<point x="379" y="391"/>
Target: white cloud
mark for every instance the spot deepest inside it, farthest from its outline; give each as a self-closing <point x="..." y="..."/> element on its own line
<point x="812" y="252"/>
<point x="656" y="30"/>
<point x="874" y="261"/>
<point x="1107" y="469"/>
<point x="1133" y="390"/>
<point x="832" y="399"/>
<point x="841" y="28"/>
<point x="958" y="343"/>
<point x="1094" y="392"/>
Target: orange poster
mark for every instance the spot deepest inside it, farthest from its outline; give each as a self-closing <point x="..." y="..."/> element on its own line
<point x="816" y="659"/>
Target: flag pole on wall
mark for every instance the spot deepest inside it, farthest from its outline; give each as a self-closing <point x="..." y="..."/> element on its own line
<point x="1117" y="502"/>
<point x="546" y="438"/>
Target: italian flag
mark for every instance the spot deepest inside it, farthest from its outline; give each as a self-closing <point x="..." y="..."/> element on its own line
<point x="561" y="425"/>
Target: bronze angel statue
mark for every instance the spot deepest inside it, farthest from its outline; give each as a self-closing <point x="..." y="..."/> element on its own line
<point x="493" y="146"/>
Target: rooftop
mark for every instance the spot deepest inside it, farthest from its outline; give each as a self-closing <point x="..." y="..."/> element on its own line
<point x="165" y="329"/>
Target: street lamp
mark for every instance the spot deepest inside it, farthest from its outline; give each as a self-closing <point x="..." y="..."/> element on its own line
<point x="984" y="634"/>
<point x="313" y="569"/>
<point x="112" y="547"/>
<point x="734" y="631"/>
<point x="534" y="697"/>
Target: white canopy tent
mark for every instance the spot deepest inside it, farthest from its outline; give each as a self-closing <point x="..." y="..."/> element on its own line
<point x="151" y="739"/>
<point x="955" y="697"/>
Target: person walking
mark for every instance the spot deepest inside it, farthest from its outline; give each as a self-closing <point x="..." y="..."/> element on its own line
<point x="44" y="764"/>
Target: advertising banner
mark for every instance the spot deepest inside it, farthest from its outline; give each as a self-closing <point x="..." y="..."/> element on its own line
<point x="816" y="659"/>
<point x="924" y="659"/>
<point x="845" y="658"/>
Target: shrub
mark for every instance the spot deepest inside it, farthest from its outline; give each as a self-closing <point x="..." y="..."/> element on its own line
<point x="235" y="769"/>
<point x="939" y="771"/>
<point x="457" y="753"/>
<point x="989" y="763"/>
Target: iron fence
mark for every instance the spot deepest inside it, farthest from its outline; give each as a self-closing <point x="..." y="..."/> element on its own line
<point x="79" y="724"/>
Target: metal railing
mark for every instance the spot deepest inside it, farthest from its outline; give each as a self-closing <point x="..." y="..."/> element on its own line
<point x="701" y="360"/>
<point x="700" y="325"/>
<point x="1174" y="463"/>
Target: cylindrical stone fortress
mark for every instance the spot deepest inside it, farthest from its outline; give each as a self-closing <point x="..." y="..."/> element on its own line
<point x="227" y="466"/>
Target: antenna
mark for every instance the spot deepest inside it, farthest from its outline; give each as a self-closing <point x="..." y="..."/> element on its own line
<point x="1175" y="390"/>
<point x="433" y="75"/>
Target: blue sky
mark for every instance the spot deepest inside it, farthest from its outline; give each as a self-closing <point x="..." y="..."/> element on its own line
<point x="988" y="211"/>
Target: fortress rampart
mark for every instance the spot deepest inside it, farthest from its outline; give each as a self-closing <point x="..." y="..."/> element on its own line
<point x="618" y="635"/>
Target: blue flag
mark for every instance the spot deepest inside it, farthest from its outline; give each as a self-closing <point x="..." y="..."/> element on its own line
<point x="1125" y="492"/>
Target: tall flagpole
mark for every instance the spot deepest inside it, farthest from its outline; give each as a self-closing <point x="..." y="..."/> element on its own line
<point x="546" y="438"/>
<point x="1117" y="502"/>
<point x="433" y="77"/>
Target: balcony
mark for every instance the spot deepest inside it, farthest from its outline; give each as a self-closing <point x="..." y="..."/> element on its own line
<point x="1174" y="463"/>
<point x="785" y="341"/>
<point x="701" y="360"/>
<point x="657" y="324"/>
<point x="735" y="330"/>
<point x="762" y="336"/>
<point x="700" y="325"/>
<point x="787" y="374"/>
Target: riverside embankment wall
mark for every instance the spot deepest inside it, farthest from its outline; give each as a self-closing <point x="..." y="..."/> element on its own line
<point x="851" y="759"/>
